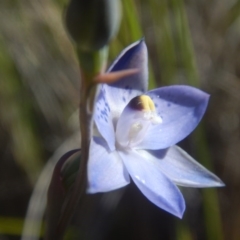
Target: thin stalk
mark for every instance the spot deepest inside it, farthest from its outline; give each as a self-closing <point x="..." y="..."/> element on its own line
<point x="80" y="185"/>
<point x="164" y="44"/>
<point x="184" y="43"/>
<point x="91" y="64"/>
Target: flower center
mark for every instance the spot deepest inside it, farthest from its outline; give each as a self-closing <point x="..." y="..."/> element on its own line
<point x="136" y="119"/>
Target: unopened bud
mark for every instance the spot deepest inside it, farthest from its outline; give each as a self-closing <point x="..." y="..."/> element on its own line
<point x="92" y="23"/>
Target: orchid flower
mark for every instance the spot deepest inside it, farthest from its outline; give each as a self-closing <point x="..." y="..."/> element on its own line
<point x="136" y="135"/>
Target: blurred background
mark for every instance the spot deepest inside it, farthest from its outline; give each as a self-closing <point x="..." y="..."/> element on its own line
<point x="189" y="42"/>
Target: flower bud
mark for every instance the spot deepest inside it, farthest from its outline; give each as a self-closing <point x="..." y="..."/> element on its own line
<point x="92" y="23"/>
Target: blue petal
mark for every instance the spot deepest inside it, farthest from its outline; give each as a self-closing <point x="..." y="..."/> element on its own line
<point x="122" y="91"/>
<point x="106" y="171"/>
<point x="181" y="168"/>
<point x="103" y="118"/>
<point x="112" y="98"/>
<point x="180" y="108"/>
<point x="153" y="184"/>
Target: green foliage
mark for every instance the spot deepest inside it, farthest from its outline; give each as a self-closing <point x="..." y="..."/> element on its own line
<point x="17" y="118"/>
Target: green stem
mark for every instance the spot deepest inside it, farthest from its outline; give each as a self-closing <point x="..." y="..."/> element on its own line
<point x="91" y="63"/>
<point x="80" y="184"/>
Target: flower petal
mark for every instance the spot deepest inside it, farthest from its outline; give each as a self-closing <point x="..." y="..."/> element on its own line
<point x="153" y="184"/>
<point x="103" y="118"/>
<point x="112" y="98"/>
<point x="181" y="168"/>
<point x="180" y="108"/>
<point x="106" y="171"/>
<point x="121" y="92"/>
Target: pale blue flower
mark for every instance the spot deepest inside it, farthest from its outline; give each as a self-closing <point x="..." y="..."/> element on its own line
<point x="137" y="133"/>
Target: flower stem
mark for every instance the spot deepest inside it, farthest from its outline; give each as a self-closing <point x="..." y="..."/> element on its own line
<point x="79" y="188"/>
<point x="91" y="64"/>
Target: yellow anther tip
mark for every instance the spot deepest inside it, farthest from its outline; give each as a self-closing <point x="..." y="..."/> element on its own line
<point x="147" y="103"/>
<point x="143" y="103"/>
